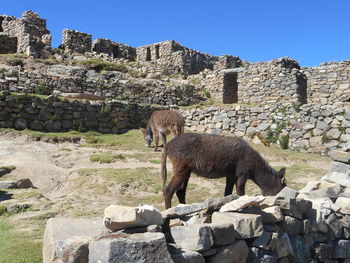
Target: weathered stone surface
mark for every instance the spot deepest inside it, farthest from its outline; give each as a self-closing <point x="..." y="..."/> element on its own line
<point x="61" y="228"/>
<point x="234" y="253"/>
<point x="263" y="240"/>
<point x="187" y="256"/>
<point x="242" y="202"/>
<point x="342" y="179"/>
<point x="301" y="249"/>
<point x="291" y="225"/>
<point x="183" y="209"/>
<point x="142" y="247"/>
<point x="119" y="217"/>
<point x="287" y="192"/>
<point x="341" y="249"/>
<point x="339" y="167"/>
<point x="272" y="214"/>
<point x="246" y="225"/>
<point x="344" y="204"/>
<point x="310" y="186"/>
<point x="281" y="245"/>
<point x="73" y="250"/>
<point x="24" y="183"/>
<point x="223" y="233"/>
<point x="194" y="237"/>
<point x="340" y="156"/>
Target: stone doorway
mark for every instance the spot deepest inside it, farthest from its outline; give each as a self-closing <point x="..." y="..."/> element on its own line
<point x="229" y="93"/>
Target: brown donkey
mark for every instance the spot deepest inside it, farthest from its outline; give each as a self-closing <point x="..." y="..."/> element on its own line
<point x="162" y="123"/>
<point x="216" y="156"/>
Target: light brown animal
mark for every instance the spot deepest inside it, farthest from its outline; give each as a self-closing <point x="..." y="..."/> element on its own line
<point x="161" y="124"/>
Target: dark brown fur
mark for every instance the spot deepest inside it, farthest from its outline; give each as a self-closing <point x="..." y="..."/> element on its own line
<point x="216" y="156"/>
<point x="161" y="124"/>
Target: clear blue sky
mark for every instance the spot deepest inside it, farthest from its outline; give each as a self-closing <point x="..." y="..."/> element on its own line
<point x="309" y="31"/>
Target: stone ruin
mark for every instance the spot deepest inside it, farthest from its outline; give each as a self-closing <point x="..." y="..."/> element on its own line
<point x="310" y="225"/>
<point x="75" y="41"/>
<point x="25" y="34"/>
<point x="113" y="49"/>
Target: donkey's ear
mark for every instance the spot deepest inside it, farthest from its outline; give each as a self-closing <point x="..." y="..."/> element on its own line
<point x="281" y="172"/>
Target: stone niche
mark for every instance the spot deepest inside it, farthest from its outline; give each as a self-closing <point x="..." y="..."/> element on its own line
<point x="7" y="44"/>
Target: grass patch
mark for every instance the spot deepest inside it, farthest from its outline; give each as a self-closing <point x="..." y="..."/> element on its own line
<point x="17" y="247"/>
<point x="106" y="157"/>
<point x="99" y="65"/>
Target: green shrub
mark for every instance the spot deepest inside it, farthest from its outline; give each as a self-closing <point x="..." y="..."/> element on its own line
<point x="283" y="141"/>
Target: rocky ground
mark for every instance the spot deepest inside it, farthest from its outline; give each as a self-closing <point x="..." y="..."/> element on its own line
<point x="81" y="179"/>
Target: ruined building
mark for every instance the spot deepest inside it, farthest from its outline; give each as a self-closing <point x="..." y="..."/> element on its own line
<point x="27" y="33"/>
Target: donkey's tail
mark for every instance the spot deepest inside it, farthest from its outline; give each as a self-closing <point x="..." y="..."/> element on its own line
<point x="163" y="168"/>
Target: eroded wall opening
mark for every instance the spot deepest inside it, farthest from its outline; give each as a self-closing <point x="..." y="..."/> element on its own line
<point x="230" y="89"/>
<point x="157" y="51"/>
<point x="115" y="52"/>
<point x="148" y="54"/>
<point x="302" y="88"/>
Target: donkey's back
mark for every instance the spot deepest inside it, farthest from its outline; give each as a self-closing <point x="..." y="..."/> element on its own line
<point x="167" y="121"/>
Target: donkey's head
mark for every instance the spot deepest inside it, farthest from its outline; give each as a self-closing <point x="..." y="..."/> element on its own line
<point x="276" y="182"/>
<point x="148" y="135"/>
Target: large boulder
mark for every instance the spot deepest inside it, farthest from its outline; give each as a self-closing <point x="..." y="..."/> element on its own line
<point x="66" y="237"/>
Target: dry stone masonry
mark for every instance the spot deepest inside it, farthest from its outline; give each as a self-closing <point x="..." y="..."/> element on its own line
<point x="310" y="225"/>
<point x="29" y="30"/>
<point x="75" y="41"/>
<point x="113" y="49"/>
<point x="54" y="115"/>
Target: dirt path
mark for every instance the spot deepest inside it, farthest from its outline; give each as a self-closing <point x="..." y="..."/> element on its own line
<point x="48" y="165"/>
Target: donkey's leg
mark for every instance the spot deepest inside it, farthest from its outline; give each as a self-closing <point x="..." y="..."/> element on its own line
<point x="230" y="182"/>
<point x="156" y="140"/>
<point x="170" y="189"/>
<point x="163" y="136"/>
<point x="241" y="181"/>
<point x="181" y="193"/>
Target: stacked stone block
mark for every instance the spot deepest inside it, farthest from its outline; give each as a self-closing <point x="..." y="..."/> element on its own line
<point x="76" y="42"/>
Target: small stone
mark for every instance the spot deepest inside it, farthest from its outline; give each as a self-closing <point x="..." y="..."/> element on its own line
<point x="287" y="192"/>
<point x="24" y="183"/>
<point x="223" y="233"/>
<point x="241" y="203"/>
<point x="187" y="256"/>
<point x="271" y="215"/>
<point x="344" y="204"/>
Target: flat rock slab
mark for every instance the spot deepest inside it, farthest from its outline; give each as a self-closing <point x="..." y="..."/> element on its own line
<point x="340" y="156"/>
<point x="287" y="192"/>
<point x="340" y="178"/>
<point x="193" y="237"/>
<point x="344" y="204"/>
<point x="118" y="217"/>
<point x="234" y="253"/>
<point x="59" y="229"/>
<point x="141" y="247"/>
<point x="246" y="225"/>
<point x="241" y="203"/>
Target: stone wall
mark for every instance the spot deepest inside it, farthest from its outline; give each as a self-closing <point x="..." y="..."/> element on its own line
<point x="309" y="225"/>
<point x="175" y="57"/>
<point x="113" y="49"/>
<point x="328" y="83"/>
<point x="112" y="85"/>
<point x="56" y="115"/>
<point x="7" y="44"/>
<point x="30" y="31"/>
<point x="310" y="127"/>
<point x="258" y="83"/>
<point x="75" y="41"/>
